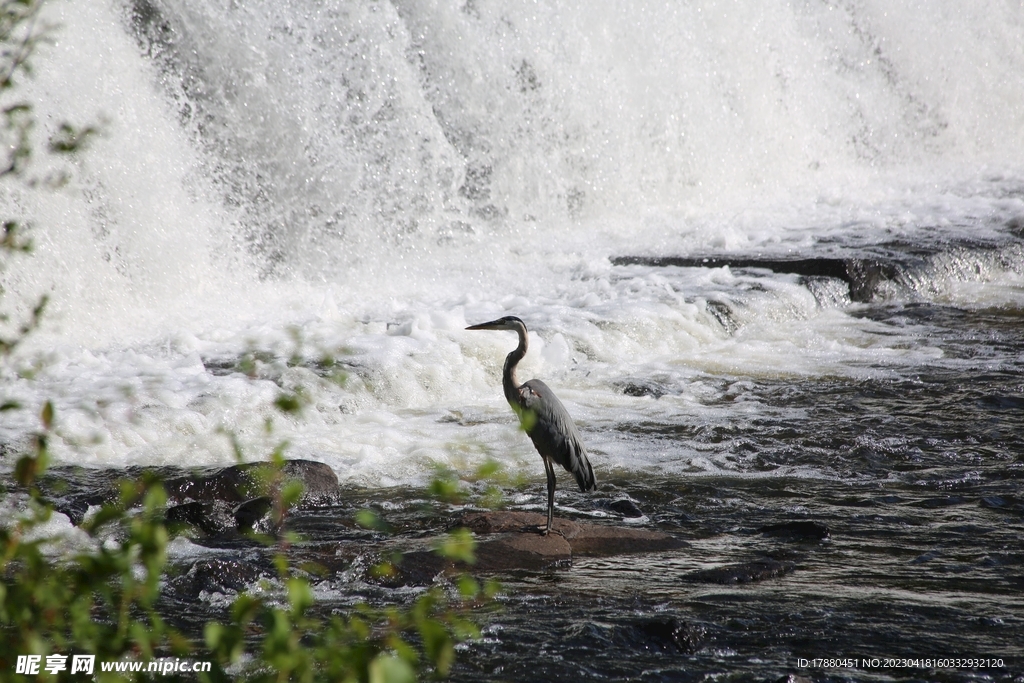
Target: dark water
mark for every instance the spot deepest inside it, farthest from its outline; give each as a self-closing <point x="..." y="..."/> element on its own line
<point x="924" y="558"/>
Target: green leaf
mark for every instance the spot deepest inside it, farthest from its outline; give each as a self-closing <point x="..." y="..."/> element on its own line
<point x="47" y="415"/>
<point x="299" y="595"/>
<point x="291" y="402"/>
<point x="469" y="587"/>
<point x="489" y="469"/>
<point x="493" y="498"/>
<point x="444" y="485"/>
<point x="383" y="570"/>
<point x="368" y="519"/>
<point x="29" y="467"/>
<point x="391" y="669"/>
<point x="459" y="545"/>
<point x="291" y="492"/>
<point x="437" y="644"/>
<point x="527" y="420"/>
<point x="70" y="139"/>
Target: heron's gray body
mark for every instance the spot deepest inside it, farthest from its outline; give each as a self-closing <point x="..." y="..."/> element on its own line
<point x="543" y="417"/>
<point x="554" y="433"/>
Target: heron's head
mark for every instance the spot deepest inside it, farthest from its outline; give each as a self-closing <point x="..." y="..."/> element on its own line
<point x="509" y="322"/>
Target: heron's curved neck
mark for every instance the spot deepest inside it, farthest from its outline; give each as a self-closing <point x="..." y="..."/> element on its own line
<point x="509" y="380"/>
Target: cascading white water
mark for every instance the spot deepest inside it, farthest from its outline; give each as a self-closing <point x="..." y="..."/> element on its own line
<point x="380" y="173"/>
<point x="390" y="120"/>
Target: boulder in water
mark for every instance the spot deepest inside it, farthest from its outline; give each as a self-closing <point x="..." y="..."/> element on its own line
<point x="743" y="572"/>
<point x="239" y="483"/>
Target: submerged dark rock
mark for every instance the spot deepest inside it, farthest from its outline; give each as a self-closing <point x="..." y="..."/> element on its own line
<point x="940" y="502"/>
<point x="744" y="572"/>
<point x="75" y="508"/>
<point x="640" y="389"/>
<point x="417" y="568"/>
<point x="663" y="633"/>
<point x="801" y="530"/>
<point x="241" y="497"/>
<point x="1001" y="503"/>
<point x="220" y="576"/>
<point x="73" y="490"/>
<point x="626" y="508"/>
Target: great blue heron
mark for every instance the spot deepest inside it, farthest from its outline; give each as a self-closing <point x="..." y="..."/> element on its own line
<point x="543" y="417"/>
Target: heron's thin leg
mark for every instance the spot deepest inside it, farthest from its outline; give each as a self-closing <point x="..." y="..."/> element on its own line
<point x="551" y="493"/>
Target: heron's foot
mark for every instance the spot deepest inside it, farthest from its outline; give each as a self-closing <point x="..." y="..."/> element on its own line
<point x="544" y="530"/>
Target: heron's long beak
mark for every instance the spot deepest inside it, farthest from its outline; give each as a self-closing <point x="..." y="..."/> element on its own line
<point x="493" y="325"/>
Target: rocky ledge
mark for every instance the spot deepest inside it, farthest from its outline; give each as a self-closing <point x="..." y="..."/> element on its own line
<point x="214" y="500"/>
<point x="511" y="541"/>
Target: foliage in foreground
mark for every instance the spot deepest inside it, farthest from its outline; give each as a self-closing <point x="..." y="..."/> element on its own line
<point x="103" y="600"/>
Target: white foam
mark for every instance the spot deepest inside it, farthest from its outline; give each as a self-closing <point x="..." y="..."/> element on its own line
<point x="401" y="171"/>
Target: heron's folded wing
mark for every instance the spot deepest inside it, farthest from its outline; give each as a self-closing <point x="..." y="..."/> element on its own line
<point x="554" y="433"/>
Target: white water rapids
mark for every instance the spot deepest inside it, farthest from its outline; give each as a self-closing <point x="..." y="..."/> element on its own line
<point x="289" y="181"/>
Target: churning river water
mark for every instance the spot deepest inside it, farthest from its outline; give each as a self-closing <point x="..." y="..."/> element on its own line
<point x="771" y="255"/>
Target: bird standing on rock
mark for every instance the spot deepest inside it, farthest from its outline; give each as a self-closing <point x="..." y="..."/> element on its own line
<point x="543" y="417"/>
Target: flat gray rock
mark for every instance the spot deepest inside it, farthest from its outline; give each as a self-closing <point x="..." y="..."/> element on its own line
<point x="517" y="550"/>
<point x="511" y="541"/>
<point x="517" y="533"/>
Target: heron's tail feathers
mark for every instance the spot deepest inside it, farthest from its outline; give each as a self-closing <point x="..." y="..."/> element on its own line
<point x="583" y="472"/>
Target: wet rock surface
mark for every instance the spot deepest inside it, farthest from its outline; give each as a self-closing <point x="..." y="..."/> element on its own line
<point x="525" y="550"/>
<point x="255" y="515"/>
<point x="862" y="276"/>
<point x="743" y="572"/>
<point x="211" y="517"/>
<point x="626" y="508"/>
<point x="221" y="575"/>
<point x="667" y="634"/>
<point x="238" y="483"/>
<point x="509" y="541"/>
<point x="519" y="531"/>
<point x="214" y="501"/>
